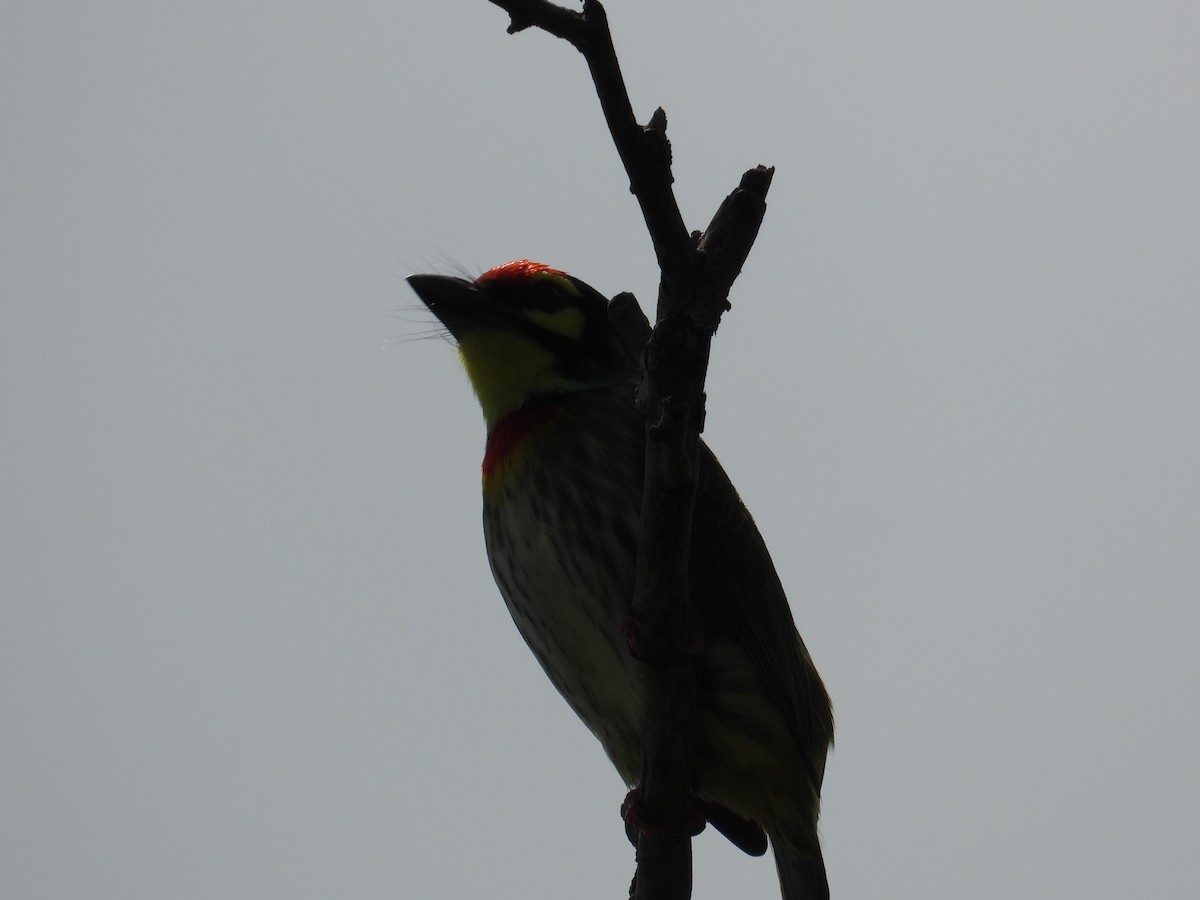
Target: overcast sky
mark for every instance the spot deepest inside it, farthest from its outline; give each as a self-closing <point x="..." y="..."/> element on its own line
<point x="249" y="643"/>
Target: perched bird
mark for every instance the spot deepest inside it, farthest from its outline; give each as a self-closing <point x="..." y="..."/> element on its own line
<point x="562" y="494"/>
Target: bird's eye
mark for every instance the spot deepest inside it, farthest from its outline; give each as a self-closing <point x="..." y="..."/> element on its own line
<point x="542" y="295"/>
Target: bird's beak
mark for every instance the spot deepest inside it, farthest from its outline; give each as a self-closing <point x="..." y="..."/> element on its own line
<point x="459" y="304"/>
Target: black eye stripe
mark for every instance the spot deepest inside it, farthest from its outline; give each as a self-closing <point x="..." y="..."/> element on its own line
<point x="544" y="295"/>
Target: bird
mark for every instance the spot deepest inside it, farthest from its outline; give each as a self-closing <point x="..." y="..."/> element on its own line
<point x="562" y="478"/>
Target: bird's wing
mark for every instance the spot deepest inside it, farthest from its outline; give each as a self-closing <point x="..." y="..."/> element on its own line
<point x="737" y="592"/>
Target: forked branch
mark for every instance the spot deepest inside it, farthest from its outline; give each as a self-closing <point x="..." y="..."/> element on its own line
<point x="697" y="272"/>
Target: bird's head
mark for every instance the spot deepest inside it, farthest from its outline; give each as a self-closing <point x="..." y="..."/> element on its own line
<point x="525" y="331"/>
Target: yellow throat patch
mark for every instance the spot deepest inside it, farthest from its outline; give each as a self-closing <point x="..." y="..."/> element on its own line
<point x="504" y="370"/>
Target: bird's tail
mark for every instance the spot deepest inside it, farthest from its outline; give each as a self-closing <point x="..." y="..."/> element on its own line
<point x="801" y="876"/>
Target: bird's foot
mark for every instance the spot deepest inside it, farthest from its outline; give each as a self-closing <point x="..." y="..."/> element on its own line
<point x="639" y="822"/>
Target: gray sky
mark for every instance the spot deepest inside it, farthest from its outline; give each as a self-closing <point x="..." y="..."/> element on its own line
<point x="249" y="644"/>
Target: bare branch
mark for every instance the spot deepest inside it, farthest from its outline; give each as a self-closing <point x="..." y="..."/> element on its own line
<point x="645" y="151"/>
<point x="697" y="273"/>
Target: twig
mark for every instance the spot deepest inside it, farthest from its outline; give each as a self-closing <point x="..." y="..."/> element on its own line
<point x="697" y="273"/>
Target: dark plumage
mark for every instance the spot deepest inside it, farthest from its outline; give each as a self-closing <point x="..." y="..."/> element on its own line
<point x="562" y="496"/>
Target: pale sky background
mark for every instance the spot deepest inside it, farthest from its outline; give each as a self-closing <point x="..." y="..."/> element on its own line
<point x="249" y="643"/>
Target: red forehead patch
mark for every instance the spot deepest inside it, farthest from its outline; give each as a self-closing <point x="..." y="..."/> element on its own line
<point x="516" y="271"/>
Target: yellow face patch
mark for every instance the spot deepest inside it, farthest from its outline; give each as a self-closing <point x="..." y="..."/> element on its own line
<point x="568" y="322"/>
<point x="505" y="369"/>
<point x="558" y="278"/>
